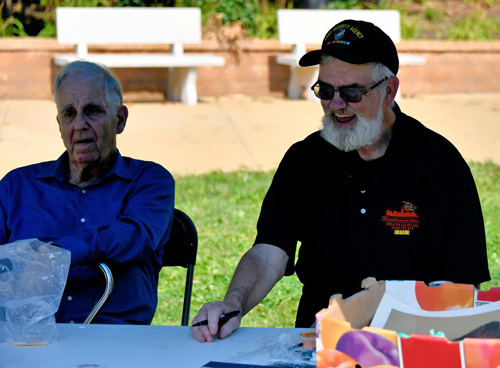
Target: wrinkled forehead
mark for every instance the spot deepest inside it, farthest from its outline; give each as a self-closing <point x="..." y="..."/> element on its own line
<point x="82" y="89"/>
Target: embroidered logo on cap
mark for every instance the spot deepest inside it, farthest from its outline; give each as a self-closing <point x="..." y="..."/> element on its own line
<point x="402" y="222"/>
<point x="338" y="35"/>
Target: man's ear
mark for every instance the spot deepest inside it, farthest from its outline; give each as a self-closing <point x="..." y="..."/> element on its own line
<point x="391" y="88"/>
<point x="122" y="115"/>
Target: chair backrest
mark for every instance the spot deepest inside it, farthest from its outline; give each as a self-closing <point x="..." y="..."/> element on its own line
<point x="181" y="250"/>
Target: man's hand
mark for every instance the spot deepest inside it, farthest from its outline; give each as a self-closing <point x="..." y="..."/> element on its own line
<point x="260" y="268"/>
<point x="212" y="312"/>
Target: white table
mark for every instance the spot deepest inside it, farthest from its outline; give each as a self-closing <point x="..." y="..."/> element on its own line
<point x="122" y="346"/>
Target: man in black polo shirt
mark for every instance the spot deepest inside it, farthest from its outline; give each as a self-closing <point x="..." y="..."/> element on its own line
<point x="373" y="194"/>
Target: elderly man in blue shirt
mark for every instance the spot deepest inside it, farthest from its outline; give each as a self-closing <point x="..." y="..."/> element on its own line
<point x="100" y="206"/>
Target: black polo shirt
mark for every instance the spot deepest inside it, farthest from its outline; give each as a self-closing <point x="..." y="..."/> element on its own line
<point x="413" y="214"/>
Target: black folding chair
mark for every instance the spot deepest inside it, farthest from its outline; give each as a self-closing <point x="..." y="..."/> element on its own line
<point x="180" y="250"/>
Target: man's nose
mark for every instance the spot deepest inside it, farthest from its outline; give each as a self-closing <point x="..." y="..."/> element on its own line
<point x="80" y="122"/>
<point x="337" y="103"/>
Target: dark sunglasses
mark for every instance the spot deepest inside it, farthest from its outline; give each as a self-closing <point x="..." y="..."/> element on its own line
<point x="326" y="92"/>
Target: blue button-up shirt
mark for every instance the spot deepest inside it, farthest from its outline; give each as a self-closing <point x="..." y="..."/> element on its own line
<point x="122" y="219"/>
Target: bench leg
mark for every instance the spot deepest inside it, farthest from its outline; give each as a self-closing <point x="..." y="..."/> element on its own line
<point x="182" y="85"/>
<point x="302" y="79"/>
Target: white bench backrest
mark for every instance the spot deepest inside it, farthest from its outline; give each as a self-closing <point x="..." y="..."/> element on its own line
<point x="81" y="25"/>
<point x="309" y="26"/>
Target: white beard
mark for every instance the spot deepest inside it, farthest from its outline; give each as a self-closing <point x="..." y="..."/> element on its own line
<point x="363" y="133"/>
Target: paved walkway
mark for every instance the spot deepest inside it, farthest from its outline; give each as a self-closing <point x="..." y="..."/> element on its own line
<point x="236" y="132"/>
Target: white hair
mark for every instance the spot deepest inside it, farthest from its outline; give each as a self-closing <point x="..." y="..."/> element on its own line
<point x="112" y="87"/>
<point x="379" y="70"/>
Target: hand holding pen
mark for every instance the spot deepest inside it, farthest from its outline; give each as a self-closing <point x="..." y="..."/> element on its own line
<point x="222" y="319"/>
<point x="210" y="321"/>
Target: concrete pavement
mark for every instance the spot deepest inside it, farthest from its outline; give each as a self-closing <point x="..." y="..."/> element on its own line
<point x="235" y="132"/>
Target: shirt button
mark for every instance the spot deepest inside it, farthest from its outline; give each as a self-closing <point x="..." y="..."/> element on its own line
<point x="363" y="191"/>
<point x="70" y="298"/>
<point x="84" y="191"/>
<point x="82" y="220"/>
<point x="363" y="211"/>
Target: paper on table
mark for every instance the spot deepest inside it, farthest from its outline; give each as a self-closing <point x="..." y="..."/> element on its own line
<point x="286" y="351"/>
<point x="235" y="365"/>
<point x="2" y="324"/>
<point x="392" y="314"/>
<point x="242" y="365"/>
<point x="403" y="290"/>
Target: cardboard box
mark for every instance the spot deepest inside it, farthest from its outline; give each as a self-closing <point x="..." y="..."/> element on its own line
<point x="402" y="323"/>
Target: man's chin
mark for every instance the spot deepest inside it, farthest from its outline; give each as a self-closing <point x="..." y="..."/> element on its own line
<point x="85" y="159"/>
<point x="334" y="133"/>
<point x="351" y="135"/>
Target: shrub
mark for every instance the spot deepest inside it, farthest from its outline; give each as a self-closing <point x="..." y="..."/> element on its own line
<point x="471" y="20"/>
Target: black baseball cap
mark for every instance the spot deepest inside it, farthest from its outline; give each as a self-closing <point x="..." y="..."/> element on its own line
<point x="356" y="42"/>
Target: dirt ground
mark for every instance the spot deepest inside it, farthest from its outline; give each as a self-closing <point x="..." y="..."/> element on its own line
<point x="237" y="132"/>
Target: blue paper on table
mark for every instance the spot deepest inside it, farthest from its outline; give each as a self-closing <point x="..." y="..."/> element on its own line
<point x="245" y="365"/>
<point x="232" y="365"/>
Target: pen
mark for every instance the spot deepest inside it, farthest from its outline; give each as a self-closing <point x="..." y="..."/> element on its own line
<point x="222" y="319"/>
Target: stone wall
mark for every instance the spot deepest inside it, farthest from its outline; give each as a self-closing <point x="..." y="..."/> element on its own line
<point x="27" y="70"/>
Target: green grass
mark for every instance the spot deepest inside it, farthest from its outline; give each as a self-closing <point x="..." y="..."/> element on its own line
<point x="487" y="178"/>
<point x="225" y="208"/>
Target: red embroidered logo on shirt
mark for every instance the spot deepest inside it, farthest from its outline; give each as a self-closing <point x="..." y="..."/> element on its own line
<point x="402" y="222"/>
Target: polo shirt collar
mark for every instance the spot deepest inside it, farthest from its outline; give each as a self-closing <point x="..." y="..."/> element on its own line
<point x="400" y="147"/>
<point x="57" y="169"/>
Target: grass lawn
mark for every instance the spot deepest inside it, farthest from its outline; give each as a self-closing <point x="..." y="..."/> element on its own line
<point x="225" y="208"/>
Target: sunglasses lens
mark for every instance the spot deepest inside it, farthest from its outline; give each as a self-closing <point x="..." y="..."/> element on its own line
<point x="323" y="92"/>
<point x="326" y="92"/>
<point x="350" y="94"/>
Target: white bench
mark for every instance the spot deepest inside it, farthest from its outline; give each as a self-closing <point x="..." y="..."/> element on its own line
<point x="300" y="27"/>
<point x="176" y="26"/>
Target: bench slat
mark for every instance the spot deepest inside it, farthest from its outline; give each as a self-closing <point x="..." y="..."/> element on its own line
<point x="128" y="25"/>
<point x="310" y="25"/>
<point x="146" y="60"/>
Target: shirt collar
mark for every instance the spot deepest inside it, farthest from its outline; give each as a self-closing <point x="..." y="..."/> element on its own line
<point x="57" y="169"/>
<point x="399" y="150"/>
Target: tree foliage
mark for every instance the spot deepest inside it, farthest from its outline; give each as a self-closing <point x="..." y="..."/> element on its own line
<point x="429" y="19"/>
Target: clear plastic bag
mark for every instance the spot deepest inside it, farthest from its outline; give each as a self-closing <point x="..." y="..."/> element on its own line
<point x="33" y="276"/>
<point x="286" y="351"/>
